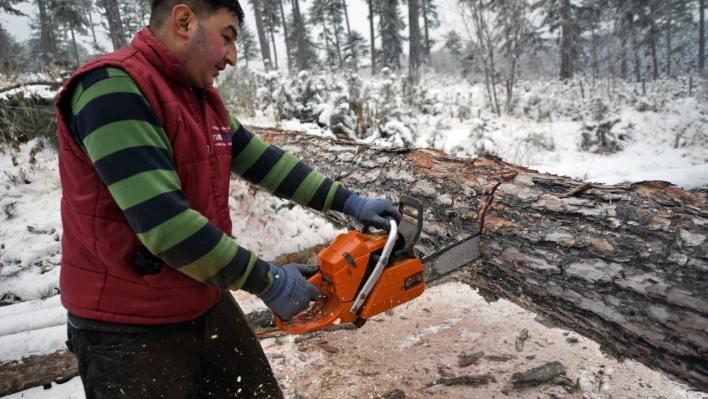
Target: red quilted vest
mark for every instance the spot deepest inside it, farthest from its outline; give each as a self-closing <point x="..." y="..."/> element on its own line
<point x="98" y="279"/>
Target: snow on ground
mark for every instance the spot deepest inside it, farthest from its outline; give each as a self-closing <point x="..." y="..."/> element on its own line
<point x="402" y="350"/>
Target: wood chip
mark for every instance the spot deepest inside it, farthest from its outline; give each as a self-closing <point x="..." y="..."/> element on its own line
<point x="471" y="380"/>
<point x="499" y="358"/>
<point x="523" y="336"/>
<point x="466" y="360"/>
<point x="395" y="394"/>
<point x="538" y="375"/>
<point x="328" y="347"/>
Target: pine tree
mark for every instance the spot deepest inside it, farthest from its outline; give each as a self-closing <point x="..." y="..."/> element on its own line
<point x="260" y="28"/>
<point x="453" y="43"/>
<point x="271" y="23"/>
<point x="8" y="57"/>
<point x="563" y="15"/>
<point x="8" y="7"/>
<point x="285" y="34"/>
<point x="48" y="45"/>
<point x="431" y="20"/>
<point x="308" y="55"/>
<point x="701" y="36"/>
<point x="87" y="6"/>
<point x="356" y="48"/>
<point x="329" y="14"/>
<point x="390" y="26"/>
<point x="115" y="23"/>
<point x="353" y="60"/>
<point x="246" y="42"/>
<point x="135" y="15"/>
<point x="69" y="14"/>
<point x="372" y="12"/>
<point x="304" y="44"/>
<point x="414" y="42"/>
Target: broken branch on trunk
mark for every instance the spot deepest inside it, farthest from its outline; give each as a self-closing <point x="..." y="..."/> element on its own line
<point x="623" y="265"/>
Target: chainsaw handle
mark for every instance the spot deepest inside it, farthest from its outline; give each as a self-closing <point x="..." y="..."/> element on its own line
<point x="378" y="269"/>
<point x="406" y="200"/>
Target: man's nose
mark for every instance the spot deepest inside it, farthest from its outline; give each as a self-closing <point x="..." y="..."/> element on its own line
<point x="230" y="56"/>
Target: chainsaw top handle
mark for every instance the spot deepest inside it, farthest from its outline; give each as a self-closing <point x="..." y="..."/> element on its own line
<point x="378" y="269"/>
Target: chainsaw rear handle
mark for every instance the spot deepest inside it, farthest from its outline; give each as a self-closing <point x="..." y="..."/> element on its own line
<point x="403" y="201"/>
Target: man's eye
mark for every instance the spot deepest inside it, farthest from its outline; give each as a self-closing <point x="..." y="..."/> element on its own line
<point x="227" y="38"/>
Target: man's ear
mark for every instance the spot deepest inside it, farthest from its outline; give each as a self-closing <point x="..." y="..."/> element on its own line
<point x="184" y="21"/>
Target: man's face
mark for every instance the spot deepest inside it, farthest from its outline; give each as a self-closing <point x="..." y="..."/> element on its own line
<point x="211" y="47"/>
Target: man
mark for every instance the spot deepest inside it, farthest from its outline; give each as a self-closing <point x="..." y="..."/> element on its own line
<point x="146" y="150"/>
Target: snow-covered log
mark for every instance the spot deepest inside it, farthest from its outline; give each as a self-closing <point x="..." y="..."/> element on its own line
<point x="32" y="339"/>
<point x="624" y="265"/>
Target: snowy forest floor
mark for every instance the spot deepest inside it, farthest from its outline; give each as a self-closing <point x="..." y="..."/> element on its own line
<point x="417" y="342"/>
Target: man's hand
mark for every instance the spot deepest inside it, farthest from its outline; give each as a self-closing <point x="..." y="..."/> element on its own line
<point x="291" y="293"/>
<point x="372" y="211"/>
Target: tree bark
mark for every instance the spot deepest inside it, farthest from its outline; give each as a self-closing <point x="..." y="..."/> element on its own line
<point x="701" y="36"/>
<point x="275" y="51"/>
<point x="73" y="41"/>
<point x="623" y="265"/>
<point x="427" y="33"/>
<point x="335" y="31"/>
<point x="355" y="63"/>
<point x="327" y="50"/>
<point x="668" y="46"/>
<point x="414" y="41"/>
<point x="285" y="32"/>
<point x="262" y="39"/>
<point x="45" y="34"/>
<point x="654" y="59"/>
<point x="93" y="30"/>
<point x="115" y="24"/>
<point x="373" y="37"/>
<point x="566" y="42"/>
<point x="37" y="371"/>
<point x="302" y="44"/>
<point x="623" y="45"/>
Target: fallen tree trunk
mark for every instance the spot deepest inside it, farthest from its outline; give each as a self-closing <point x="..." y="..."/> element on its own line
<point x="624" y="265"/>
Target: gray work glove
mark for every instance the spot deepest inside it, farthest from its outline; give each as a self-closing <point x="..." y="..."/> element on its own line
<point x="291" y="293"/>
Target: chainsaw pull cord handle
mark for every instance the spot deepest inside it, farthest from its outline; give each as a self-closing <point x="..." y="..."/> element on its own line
<point x="376" y="273"/>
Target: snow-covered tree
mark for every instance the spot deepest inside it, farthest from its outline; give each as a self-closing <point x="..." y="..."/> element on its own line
<point x="391" y="26"/>
<point x="329" y="16"/>
<point x="246" y="44"/>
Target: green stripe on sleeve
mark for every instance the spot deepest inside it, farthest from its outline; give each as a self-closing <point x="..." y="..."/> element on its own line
<point x="211" y="263"/>
<point x="308" y="188"/>
<point x="103" y="87"/>
<point x="255" y="148"/>
<point x="234" y="123"/>
<point x="279" y="172"/>
<point x="115" y="72"/>
<point x="242" y="280"/>
<point x="330" y="196"/>
<point x="143" y="186"/>
<point x="78" y="91"/>
<point x="173" y="231"/>
<point x="120" y="135"/>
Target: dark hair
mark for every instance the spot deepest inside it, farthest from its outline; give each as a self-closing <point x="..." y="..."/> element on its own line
<point x="161" y="9"/>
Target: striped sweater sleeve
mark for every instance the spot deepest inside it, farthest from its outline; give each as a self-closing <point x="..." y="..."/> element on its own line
<point x="116" y="127"/>
<point x="283" y="174"/>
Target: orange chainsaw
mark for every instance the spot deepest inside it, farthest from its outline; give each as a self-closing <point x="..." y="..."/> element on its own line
<point x="363" y="274"/>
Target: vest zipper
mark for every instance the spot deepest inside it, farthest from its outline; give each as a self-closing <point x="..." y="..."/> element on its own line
<point x="202" y="121"/>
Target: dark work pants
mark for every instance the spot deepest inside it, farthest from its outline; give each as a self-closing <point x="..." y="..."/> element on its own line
<point x="215" y="356"/>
